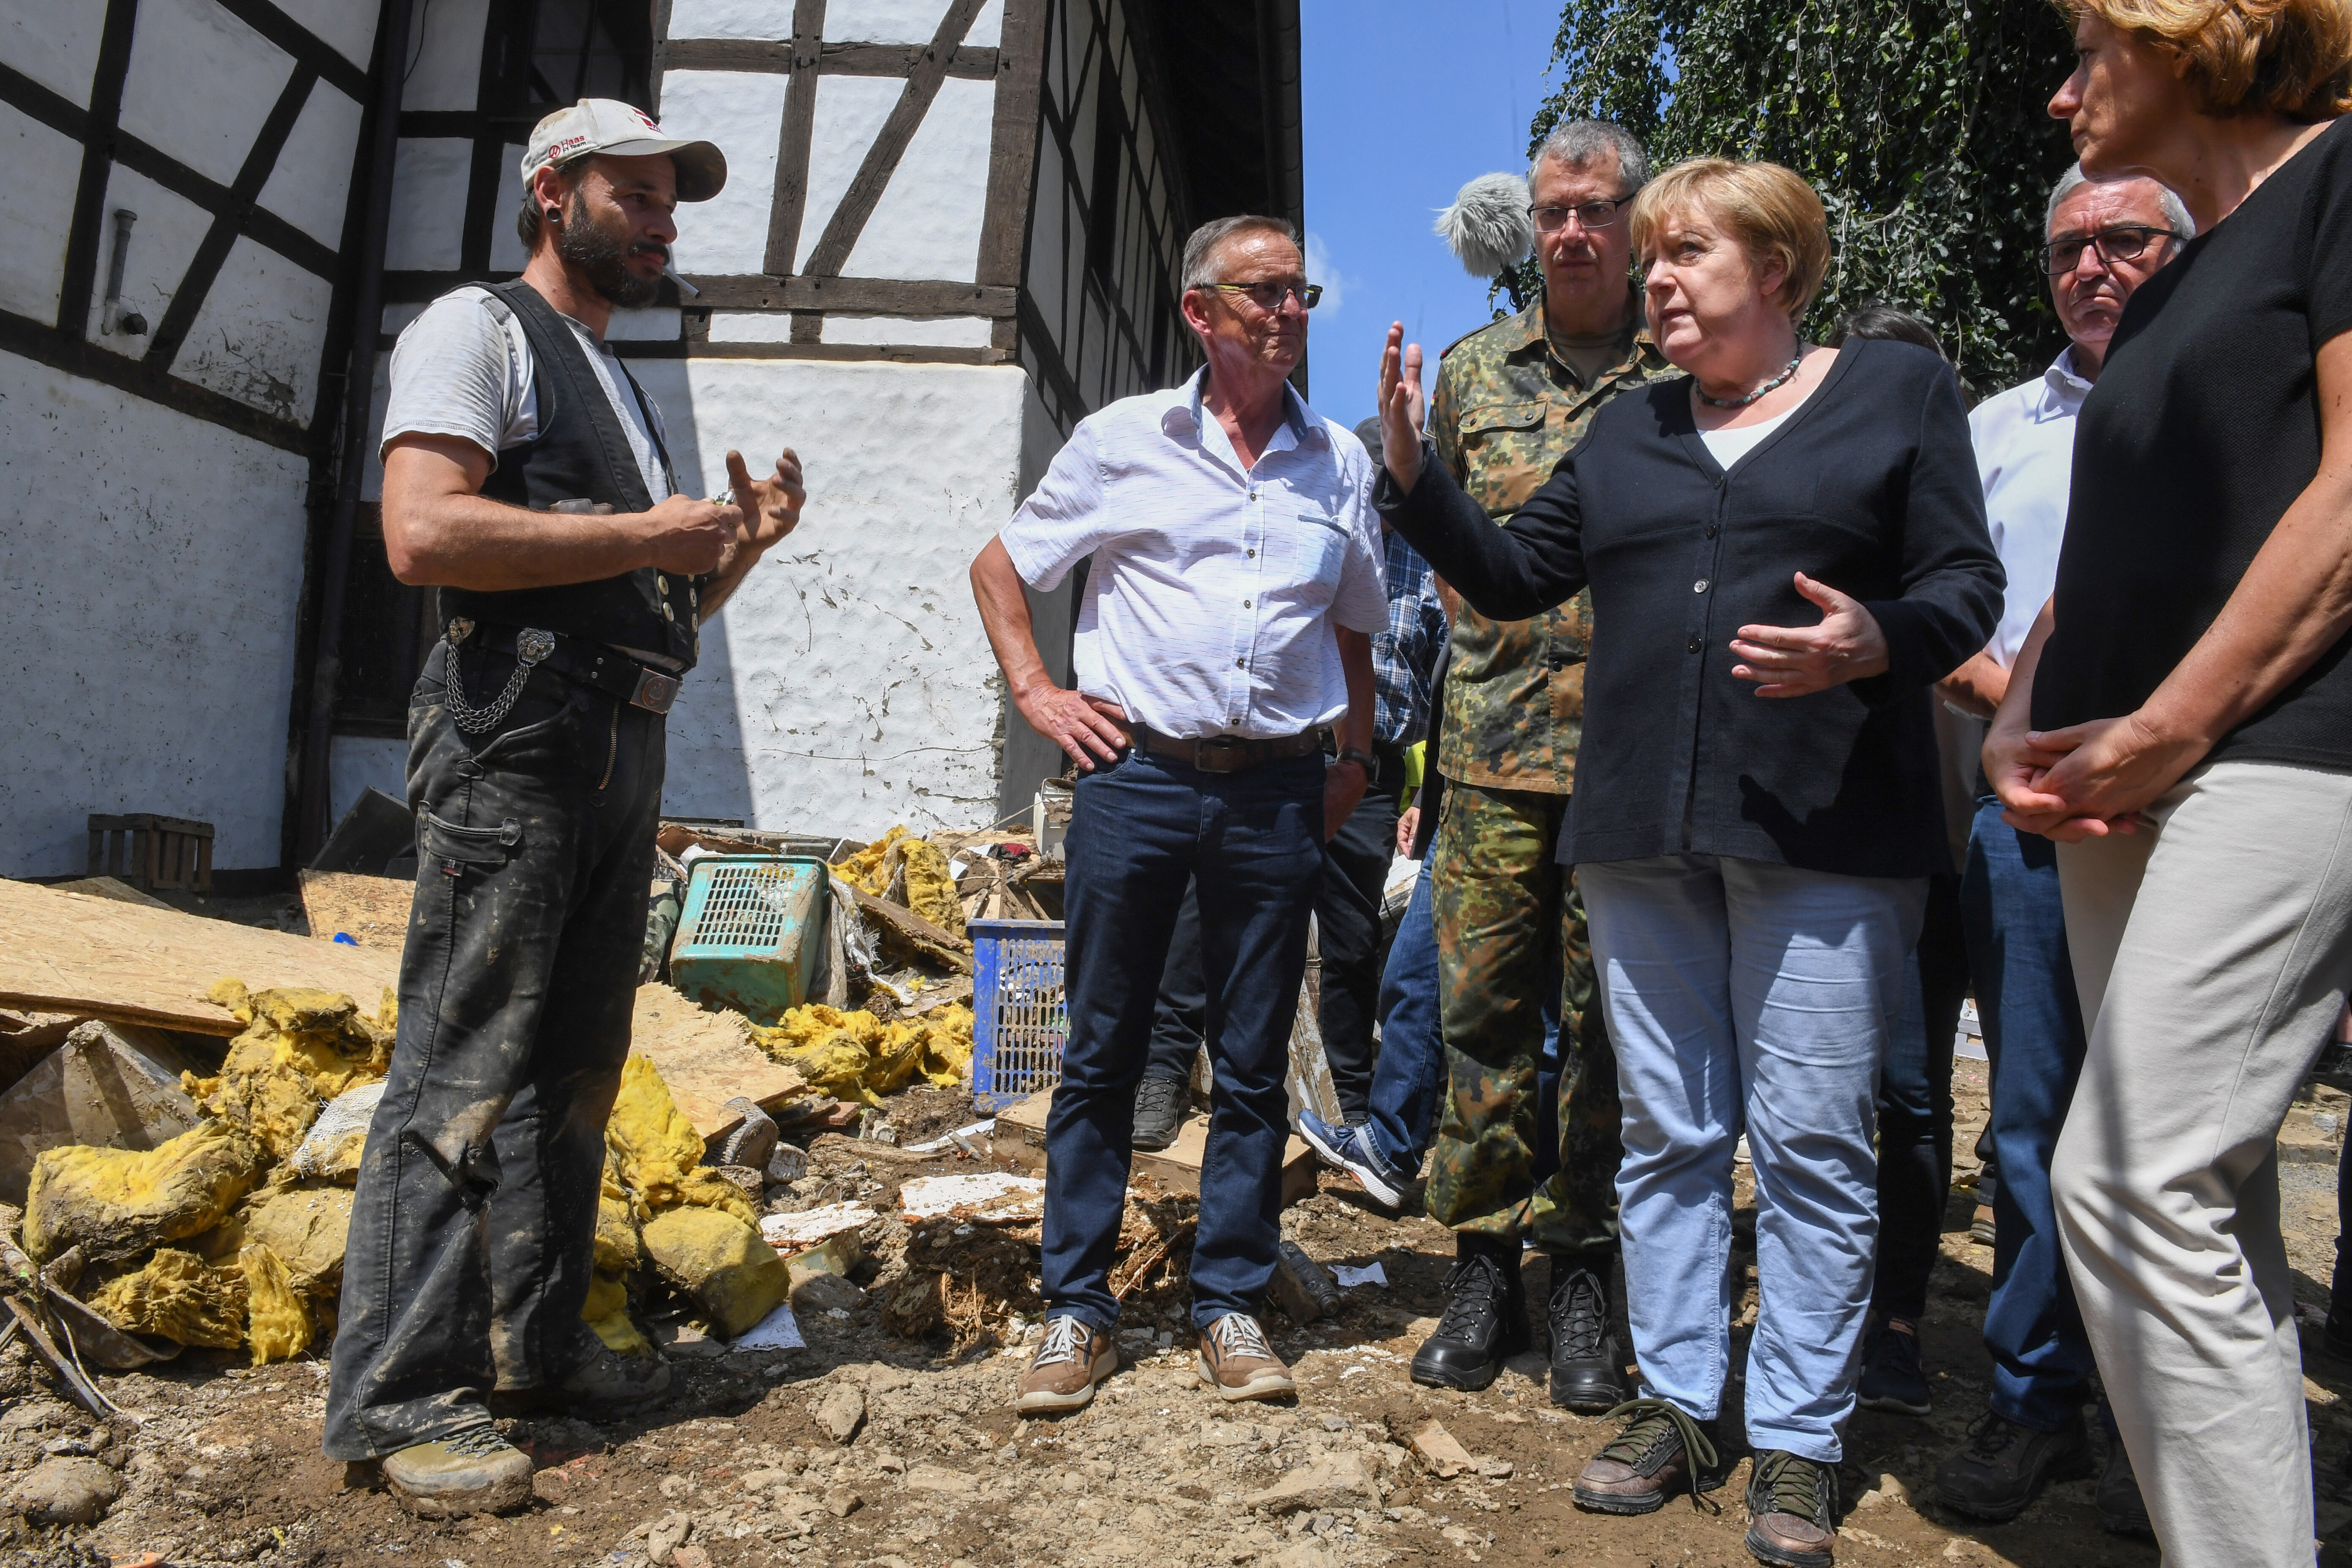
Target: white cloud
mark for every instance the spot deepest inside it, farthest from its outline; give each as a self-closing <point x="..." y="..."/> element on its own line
<point x="1320" y="271"/>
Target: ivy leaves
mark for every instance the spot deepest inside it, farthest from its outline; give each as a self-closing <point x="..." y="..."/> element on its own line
<point x="1921" y="123"/>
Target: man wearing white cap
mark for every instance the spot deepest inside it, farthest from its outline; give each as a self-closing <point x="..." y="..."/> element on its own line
<point x="527" y="477"/>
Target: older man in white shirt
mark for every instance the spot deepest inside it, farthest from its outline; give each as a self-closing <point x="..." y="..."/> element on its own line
<point x="2105" y="239"/>
<point x="1232" y="587"/>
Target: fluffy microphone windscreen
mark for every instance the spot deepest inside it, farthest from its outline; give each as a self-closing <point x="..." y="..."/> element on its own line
<point x="1488" y="226"/>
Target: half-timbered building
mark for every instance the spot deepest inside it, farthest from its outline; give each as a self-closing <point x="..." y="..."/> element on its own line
<point x="950" y="229"/>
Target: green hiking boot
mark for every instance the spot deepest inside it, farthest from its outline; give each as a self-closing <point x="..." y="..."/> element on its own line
<point x="477" y="1471"/>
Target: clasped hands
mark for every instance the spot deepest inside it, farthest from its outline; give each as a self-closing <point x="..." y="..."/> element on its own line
<point x="2088" y="780"/>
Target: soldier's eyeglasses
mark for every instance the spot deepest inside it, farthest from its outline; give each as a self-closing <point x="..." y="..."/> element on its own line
<point x="1591" y="215"/>
<point x="2126" y="242"/>
<point x="1269" y="297"/>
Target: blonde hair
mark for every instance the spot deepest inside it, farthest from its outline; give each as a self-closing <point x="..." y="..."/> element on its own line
<point x="2287" y="58"/>
<point x="1773" y="214"/>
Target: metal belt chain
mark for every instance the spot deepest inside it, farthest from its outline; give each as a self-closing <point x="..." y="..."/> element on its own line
<point x="531" y="646"/>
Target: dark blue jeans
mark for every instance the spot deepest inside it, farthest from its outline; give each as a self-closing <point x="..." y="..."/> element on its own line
<point x="1409" y="1082"/>
<point x="1139" y="829"/>
<point x="2033" y="1033"/>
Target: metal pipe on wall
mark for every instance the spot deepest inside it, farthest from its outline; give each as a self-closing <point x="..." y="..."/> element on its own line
<point x="312" y="797"/>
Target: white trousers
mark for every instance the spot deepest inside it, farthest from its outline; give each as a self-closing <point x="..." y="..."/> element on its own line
<point x="2212" y="956"/>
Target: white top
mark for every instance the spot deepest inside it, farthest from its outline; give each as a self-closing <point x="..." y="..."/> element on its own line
<point x="1727" y="447"/>
<point x="1212" y="590"/>
<point x="464" y="368"/>
<point x="2025" y="455"/>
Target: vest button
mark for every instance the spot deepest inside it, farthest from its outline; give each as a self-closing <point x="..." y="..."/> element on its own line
<point x="661" y="584"/>
<point x="669" y="614"/>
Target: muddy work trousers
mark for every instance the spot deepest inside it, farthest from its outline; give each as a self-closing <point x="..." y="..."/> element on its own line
<point x="1510" y="929"/>
<point x="473" y="1222"/>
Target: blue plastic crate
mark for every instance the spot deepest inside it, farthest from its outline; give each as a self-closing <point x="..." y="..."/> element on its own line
<point x="1021" y="1020"/>
<point x="751" y="932"/>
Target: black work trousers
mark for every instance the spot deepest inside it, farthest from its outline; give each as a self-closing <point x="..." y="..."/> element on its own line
<point x="1915" y="1110"/>
<point x="473" y="1226"/>
<point x="1346" y="943"/>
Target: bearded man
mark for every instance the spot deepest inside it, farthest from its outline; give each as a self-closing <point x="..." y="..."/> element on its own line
<point x="526" y="477"/>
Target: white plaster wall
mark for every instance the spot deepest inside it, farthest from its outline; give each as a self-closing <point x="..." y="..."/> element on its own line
<point x="145" y="562"/>
<point x="845" y="21"/>
<point x="200" y="84"/>
<point x="428" y="204"/>
<point x="850" y="111"/>
<point x="848" y="685"/>
<point x="744" y="114"/>
<point x="55" y="45"/>
<point x="348" y="25"/>
<point x="933" y="331"/>
<point x="163" y="242"/>
<point x="927" y="222"/>
<point x="312" y="186"/>
<point x="445" y="70"/>
<point x="765" y="19"/>
<point x="44" y="171"/>
<point x="506" y="253"/>
<point x="258" y="335"/>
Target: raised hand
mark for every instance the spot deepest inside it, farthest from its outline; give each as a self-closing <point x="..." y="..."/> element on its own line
<point x="1399" y="406"/>
<point x="771" y="509"/>
<point x="1797" y="661"/>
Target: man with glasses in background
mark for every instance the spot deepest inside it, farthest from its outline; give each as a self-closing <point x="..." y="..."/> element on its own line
<point x="2105" y="239"/>
<point x="1527" y="1147"/>
<point x="1234" y="586"/>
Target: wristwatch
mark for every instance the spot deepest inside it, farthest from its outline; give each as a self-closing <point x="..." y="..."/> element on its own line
<point x="1362" y="759"/>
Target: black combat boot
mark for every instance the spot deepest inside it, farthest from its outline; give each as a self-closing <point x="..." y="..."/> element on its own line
<point x="1486" y="1321"/>
<point x="1588" y="1360"/>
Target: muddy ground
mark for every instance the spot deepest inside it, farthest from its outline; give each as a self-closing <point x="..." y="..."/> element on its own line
<point x="871" y="1449"/>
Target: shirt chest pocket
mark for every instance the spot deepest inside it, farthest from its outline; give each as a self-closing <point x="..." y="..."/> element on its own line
<point x="1315" y="546"/>
<point x="1502" y="424"/>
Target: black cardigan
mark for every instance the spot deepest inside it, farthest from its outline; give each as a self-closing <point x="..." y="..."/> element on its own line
<point x="1871" y="487"/>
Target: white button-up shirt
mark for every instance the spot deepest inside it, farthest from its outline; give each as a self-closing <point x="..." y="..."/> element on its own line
<point x="2025" y="455"/>
<point x="1212" y="588"/>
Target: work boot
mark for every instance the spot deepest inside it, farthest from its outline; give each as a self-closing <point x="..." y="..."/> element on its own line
<point x="2003" y="1465"/>
<point x="1351" y="1149"/>
<point x="2122" y="1509"/>
<point x="1663" y="1450"/>
<point x="477" y="1471"/>
<point x="1486" y="1321"/>
<point x="1792" y="1510"/>
<point x="1159" y="1111"/>
<point x="1891" y="1377"/>
<point x="1238" y="1363"/>
<point x="613" y="1384"/>
<point x="1588" y="1362"/>
<point x="1980" y="1226"/>
<point x="1062" y="1375"/>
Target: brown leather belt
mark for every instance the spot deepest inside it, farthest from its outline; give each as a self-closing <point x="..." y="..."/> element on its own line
<point x="1227" y="753"/>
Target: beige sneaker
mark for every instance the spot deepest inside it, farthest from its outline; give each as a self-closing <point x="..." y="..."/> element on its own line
<point x="1074" y="1358"/>
<point x="477" y="1471"/>
<point x="1238" y="1363"/>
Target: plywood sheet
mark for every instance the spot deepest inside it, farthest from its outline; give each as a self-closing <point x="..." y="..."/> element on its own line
<point x="372" y="910"/>
<point x="96" y="958"/>
<point x="1021" y="1138"/>
<point x="707" y="1059"/>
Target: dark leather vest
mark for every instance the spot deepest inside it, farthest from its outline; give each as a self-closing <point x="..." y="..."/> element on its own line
<point x="581" y="457"/>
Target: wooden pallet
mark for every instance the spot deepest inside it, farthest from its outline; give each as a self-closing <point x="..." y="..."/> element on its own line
<point x="153" y="853"/>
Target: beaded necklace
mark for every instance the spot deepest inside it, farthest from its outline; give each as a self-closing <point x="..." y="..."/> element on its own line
<point x="1779" y="380"/>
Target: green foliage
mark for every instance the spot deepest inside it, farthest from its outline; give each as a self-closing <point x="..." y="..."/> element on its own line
<point x="1921" y="123"/>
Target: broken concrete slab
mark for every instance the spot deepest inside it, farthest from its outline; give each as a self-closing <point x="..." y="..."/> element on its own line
<point x="1332" y="1482"/>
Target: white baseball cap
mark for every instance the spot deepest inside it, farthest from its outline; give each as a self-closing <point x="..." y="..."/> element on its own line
<point x="608" y="125"/>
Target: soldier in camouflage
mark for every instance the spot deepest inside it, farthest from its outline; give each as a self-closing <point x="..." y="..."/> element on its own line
<point x="1527" y="1148"/>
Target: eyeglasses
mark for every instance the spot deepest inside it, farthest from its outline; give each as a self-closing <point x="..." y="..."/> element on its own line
<point x="1591" y="215"/>
<point x="1269" y="296"/>
<point x="2124" y="242"/>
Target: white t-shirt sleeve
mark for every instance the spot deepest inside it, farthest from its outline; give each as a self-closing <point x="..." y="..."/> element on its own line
<point x="1063" y="520"/>
<point x="455" y="373"/>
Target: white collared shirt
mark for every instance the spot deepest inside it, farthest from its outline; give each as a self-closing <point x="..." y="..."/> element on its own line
<point x="2025" y="454"/>
<point x="1212" y="588"/>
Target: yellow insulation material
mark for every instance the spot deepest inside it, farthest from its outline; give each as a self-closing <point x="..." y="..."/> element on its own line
<point x="930" y="890"/>
<point x="178" y="1296"/>
<point x="855" y="1055"/>
<point x="277" y="1325"/>
<point x="722" y="1262"/>
<point x="655" y="1151"/>
<point x="304" y="1228"/>
<point x="607" y="1312"/>
<point x="617" y="1251"/>
<point x="118" y="1203"/>
<point x="300" y="1047"/>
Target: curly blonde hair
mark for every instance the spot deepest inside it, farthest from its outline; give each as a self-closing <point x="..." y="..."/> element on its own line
<point x="1770" y="210"/>
<point x="2288" y="57"/>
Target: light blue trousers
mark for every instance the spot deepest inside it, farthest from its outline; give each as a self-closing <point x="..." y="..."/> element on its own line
<point x="1748" y="997"/>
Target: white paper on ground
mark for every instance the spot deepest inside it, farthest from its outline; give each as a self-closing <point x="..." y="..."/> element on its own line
<point x="812" y="1227"/>
<point x="1370" y="1274"/>
<point x="947" y="1140"/>
<point x="779" y="1331"/>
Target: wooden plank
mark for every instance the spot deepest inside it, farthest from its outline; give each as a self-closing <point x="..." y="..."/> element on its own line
<point x="1020" y="1137"/>
<point x="64" y="952"/>
<point x="863" y="296"/>
<point x="793" y="138"/>
<point x="847" y="354"/>
<point x="1012" y="143"/>
<point x="372" y="910"/>
<point x="767" y="57"/>
<point x="832" y="250"/>
<point x="707" y="1059"/>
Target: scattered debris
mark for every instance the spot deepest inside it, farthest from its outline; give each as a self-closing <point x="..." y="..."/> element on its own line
<point x="994" y="1198"/>
<point x="1350" y="1277"/>
<point x="1444" y="1456"/>
<point x="113" y="1086"/>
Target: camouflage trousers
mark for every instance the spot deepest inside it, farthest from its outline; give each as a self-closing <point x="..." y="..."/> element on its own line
<point x="1510" y="924"/>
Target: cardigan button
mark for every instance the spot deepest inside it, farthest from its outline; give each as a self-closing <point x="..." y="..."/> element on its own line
<point x="1699" y="586"/>
<point x="1694" y="646"/>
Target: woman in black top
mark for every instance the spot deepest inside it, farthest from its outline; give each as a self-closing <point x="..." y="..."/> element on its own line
<point x="1753" y="833"/>
<point x="2181" y="721"/>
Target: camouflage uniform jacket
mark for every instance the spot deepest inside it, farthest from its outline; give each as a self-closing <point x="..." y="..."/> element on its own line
<point x="1505" y="411"/>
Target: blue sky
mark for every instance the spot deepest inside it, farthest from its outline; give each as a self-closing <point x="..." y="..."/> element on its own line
<point x="1404" y="99"/>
